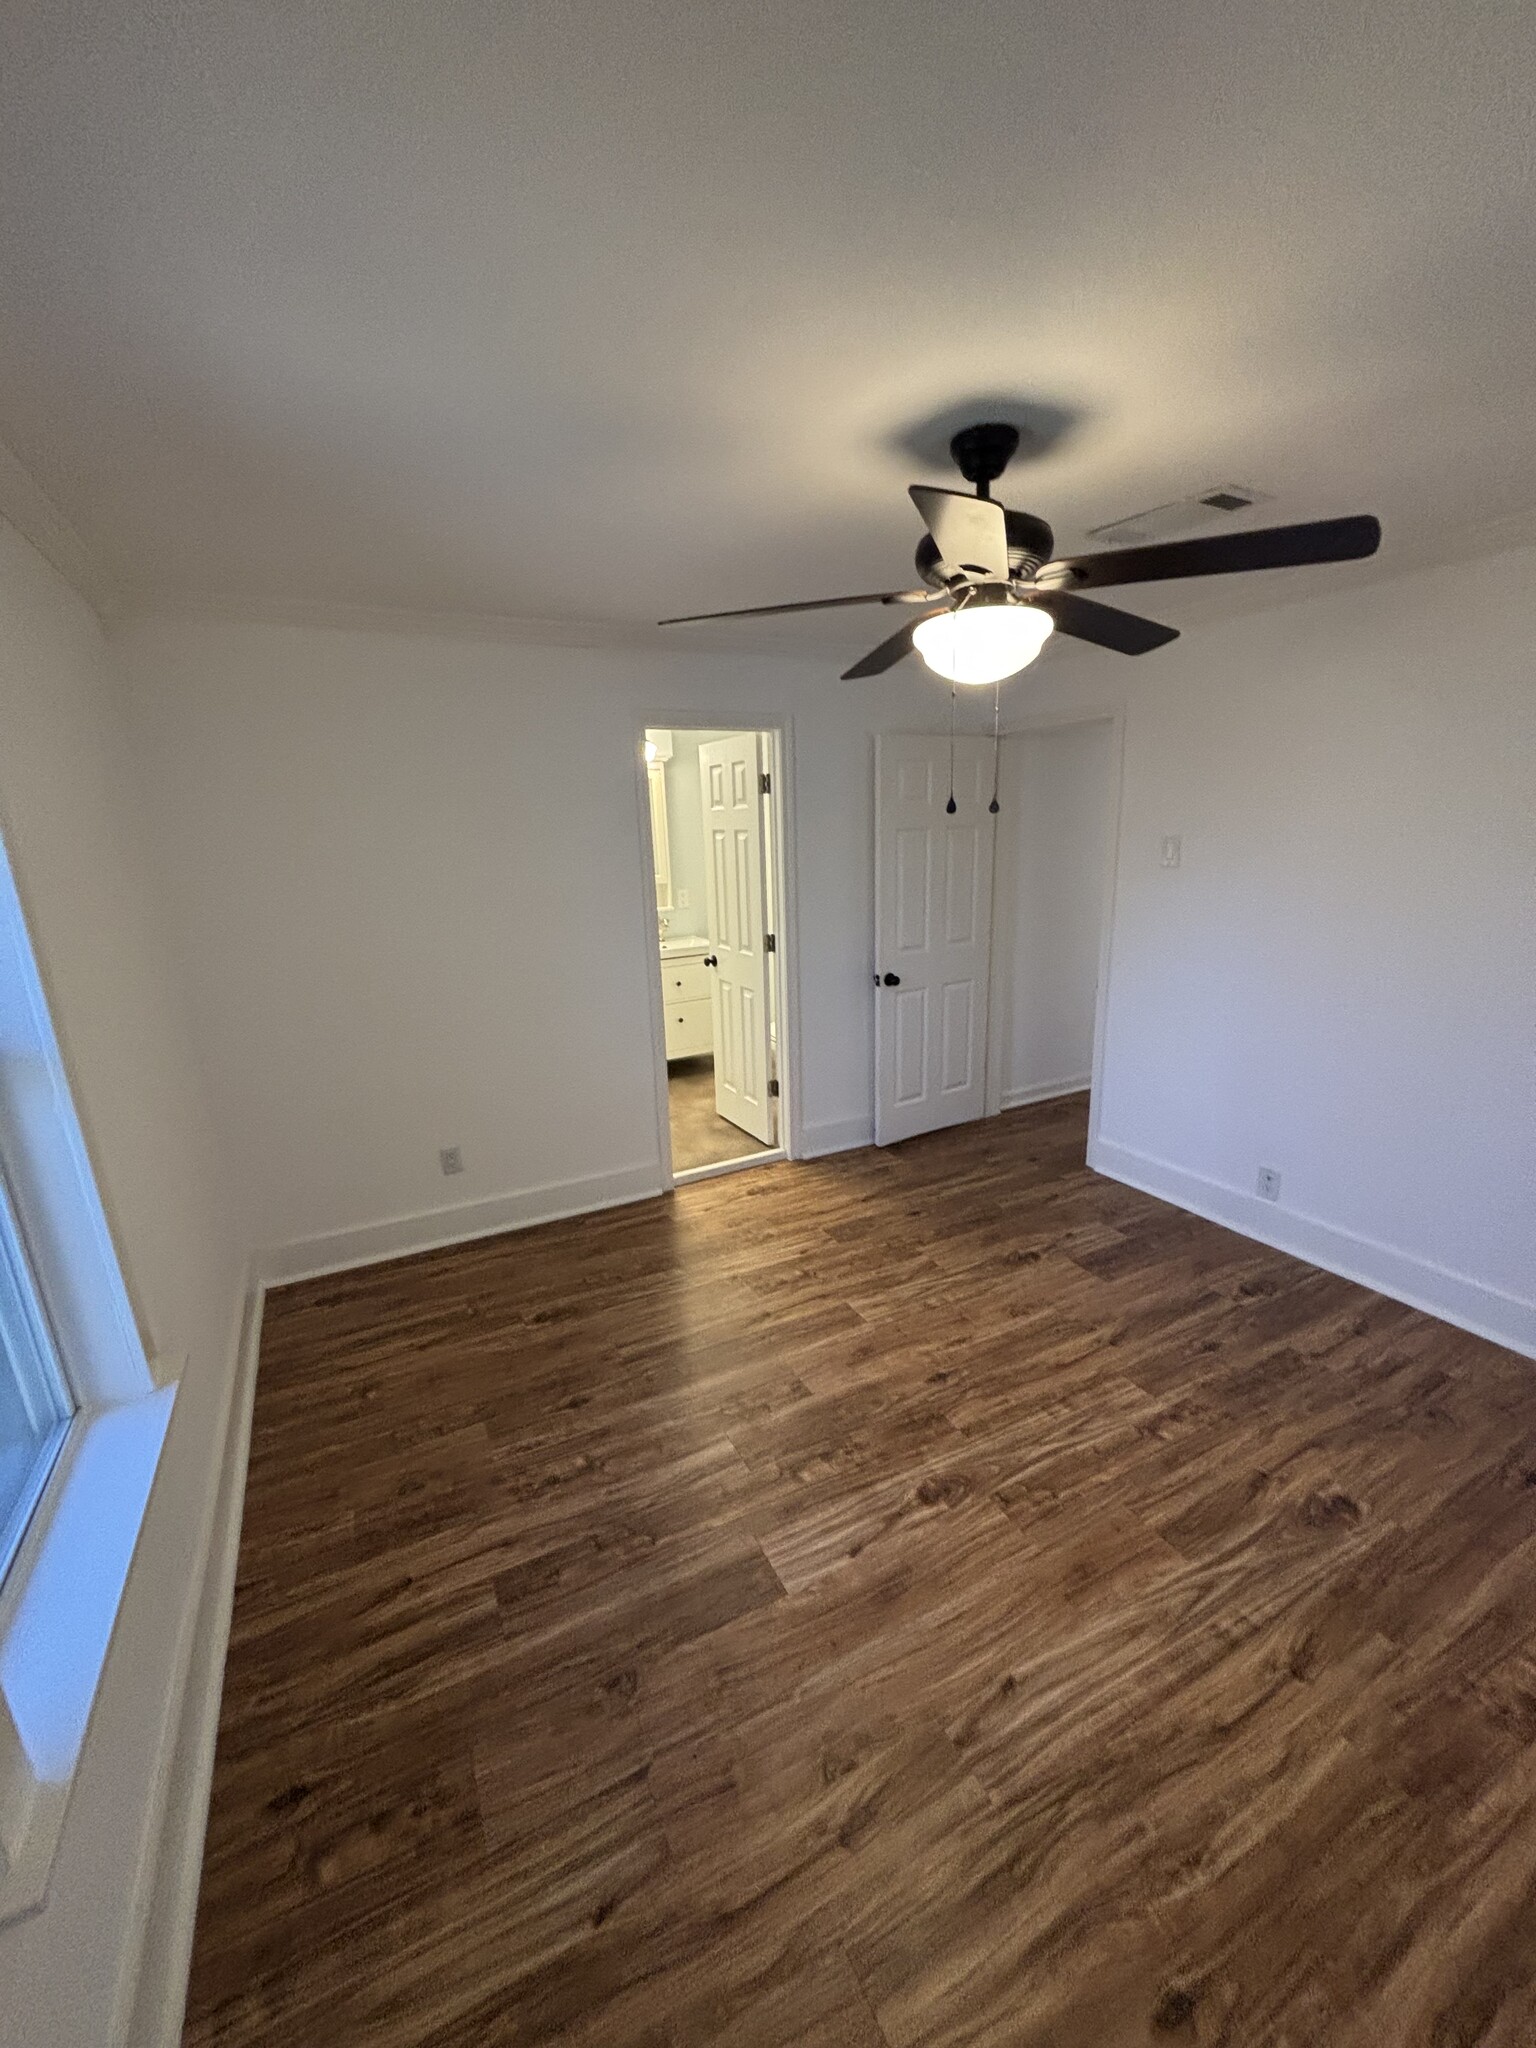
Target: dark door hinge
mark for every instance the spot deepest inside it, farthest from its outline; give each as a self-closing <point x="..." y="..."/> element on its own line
<point x="765" y="781"/>
<point x="773" y="1087"/>
<point x="770" y="943"/>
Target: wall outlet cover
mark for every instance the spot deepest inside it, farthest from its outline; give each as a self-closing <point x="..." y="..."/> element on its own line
<point x="1268" y="1184"/>
<point x="451" y="1159"/>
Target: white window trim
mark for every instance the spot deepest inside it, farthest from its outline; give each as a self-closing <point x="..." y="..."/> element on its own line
<point x="59" y="1599"/>
<point x="27" y="1327"/>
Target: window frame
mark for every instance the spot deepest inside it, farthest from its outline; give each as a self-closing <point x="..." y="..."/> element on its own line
<point x="27" y="1331"/>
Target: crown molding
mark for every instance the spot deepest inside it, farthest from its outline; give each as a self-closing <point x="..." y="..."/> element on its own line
<point x="28" y="507"/>
<point x="506" y="628"/>
<point x="33" y="513"/>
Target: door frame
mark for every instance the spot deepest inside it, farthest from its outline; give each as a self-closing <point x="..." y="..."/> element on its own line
<point x="1112" y="715"/>
<point x="778" y="732"/>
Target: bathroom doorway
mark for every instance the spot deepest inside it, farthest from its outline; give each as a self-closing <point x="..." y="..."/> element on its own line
<point x="716" y="845"/>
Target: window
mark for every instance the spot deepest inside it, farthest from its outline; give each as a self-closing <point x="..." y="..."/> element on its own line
<point x="35" y="1406"/>
<point x="83" y="1418"/>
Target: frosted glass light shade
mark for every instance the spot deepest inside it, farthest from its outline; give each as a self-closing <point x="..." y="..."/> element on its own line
<point x="983" y="643"/>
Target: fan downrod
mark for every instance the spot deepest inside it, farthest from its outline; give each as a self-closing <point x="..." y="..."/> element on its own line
<point x="983" y="452"/>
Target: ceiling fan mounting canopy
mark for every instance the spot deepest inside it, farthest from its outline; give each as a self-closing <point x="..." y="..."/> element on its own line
<point x="978" y="556"/>
<point x="981" y="453"/>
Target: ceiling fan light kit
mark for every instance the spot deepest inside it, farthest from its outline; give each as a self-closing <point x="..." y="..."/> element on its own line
<point x="1001" y="594"/>
<point x="985" y="641"/>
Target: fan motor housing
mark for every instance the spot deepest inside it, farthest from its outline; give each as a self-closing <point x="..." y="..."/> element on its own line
<point x="1030" y="542"/>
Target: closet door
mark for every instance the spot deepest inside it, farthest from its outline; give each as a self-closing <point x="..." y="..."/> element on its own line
<point x="730" y="786"/>
<point x="933" y="933"/>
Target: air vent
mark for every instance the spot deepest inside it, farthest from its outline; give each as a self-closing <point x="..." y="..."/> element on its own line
<point x="1183" y="515"/>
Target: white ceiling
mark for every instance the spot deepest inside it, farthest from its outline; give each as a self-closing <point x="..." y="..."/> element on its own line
<point x="599" y="312"/>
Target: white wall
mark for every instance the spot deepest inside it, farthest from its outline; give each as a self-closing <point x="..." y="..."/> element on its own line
<point x="67" y="810"/>
<point x="405" y="874"/>
<point x="1340" y="978"/>
<point x="1058" y="791"/>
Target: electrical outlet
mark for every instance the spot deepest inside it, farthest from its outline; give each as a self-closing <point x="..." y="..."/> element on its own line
<point x="451" y="1159"/>
<point x="1173" y="848"/>
<point x="1268" y="1184"/>
<point x="682" y="899"/>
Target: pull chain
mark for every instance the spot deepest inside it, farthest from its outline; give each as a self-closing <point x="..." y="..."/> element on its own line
<point x="997" y="719"/>
<point x="950" y="806"/>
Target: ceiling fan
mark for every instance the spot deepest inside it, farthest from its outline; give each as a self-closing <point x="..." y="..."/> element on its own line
<point x="994" y="595"/>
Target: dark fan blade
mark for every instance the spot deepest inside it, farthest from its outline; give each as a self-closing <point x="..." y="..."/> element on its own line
<point x="887" y="654"/>
<point x="815" y="604"/>
<point x="1221" y="554"/>
<point x="969" y="533"/>
<point x="1102" y="623"/>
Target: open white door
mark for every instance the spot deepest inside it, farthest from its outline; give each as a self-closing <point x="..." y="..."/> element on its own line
<point x="730" y="784"/>
<point x="933" y="933"/>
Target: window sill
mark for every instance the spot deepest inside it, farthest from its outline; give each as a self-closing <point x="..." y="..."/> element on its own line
<point x="57" y="1611"/>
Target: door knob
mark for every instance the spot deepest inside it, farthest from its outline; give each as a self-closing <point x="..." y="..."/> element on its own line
<point x="892" y="980"/>
<point x="710" y="960"/>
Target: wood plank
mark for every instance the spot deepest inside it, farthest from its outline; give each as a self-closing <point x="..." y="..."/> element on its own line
<point x="932" y="1596"/>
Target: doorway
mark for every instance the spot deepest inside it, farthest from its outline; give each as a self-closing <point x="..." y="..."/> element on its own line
<point x="716" y="841"/>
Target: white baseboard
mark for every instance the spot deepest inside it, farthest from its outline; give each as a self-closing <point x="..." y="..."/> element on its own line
<point x="166" y="1952"/>
<point x="1453" y="1297"/>
<point x="366" y="1244"/>
<point x="1044" y="1091"/>
<point x="844" y="1135"/>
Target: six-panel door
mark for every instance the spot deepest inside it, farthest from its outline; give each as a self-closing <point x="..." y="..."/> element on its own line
<point x="933" y="932"/>
<point x="730" y="785"/>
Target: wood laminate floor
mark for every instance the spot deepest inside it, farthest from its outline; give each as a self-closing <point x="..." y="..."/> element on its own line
<point x="701" y="1137"/>
<point x="929" y="1596"/>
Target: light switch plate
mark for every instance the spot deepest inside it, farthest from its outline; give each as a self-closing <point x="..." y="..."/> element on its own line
<point x="1173" y="848"/>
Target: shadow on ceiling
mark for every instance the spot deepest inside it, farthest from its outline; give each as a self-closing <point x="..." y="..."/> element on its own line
<point x="1043" y="427"/>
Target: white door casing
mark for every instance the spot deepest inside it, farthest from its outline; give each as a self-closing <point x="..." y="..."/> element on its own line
<point x="730" y="784"/>
<point x="933" y="932"/>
